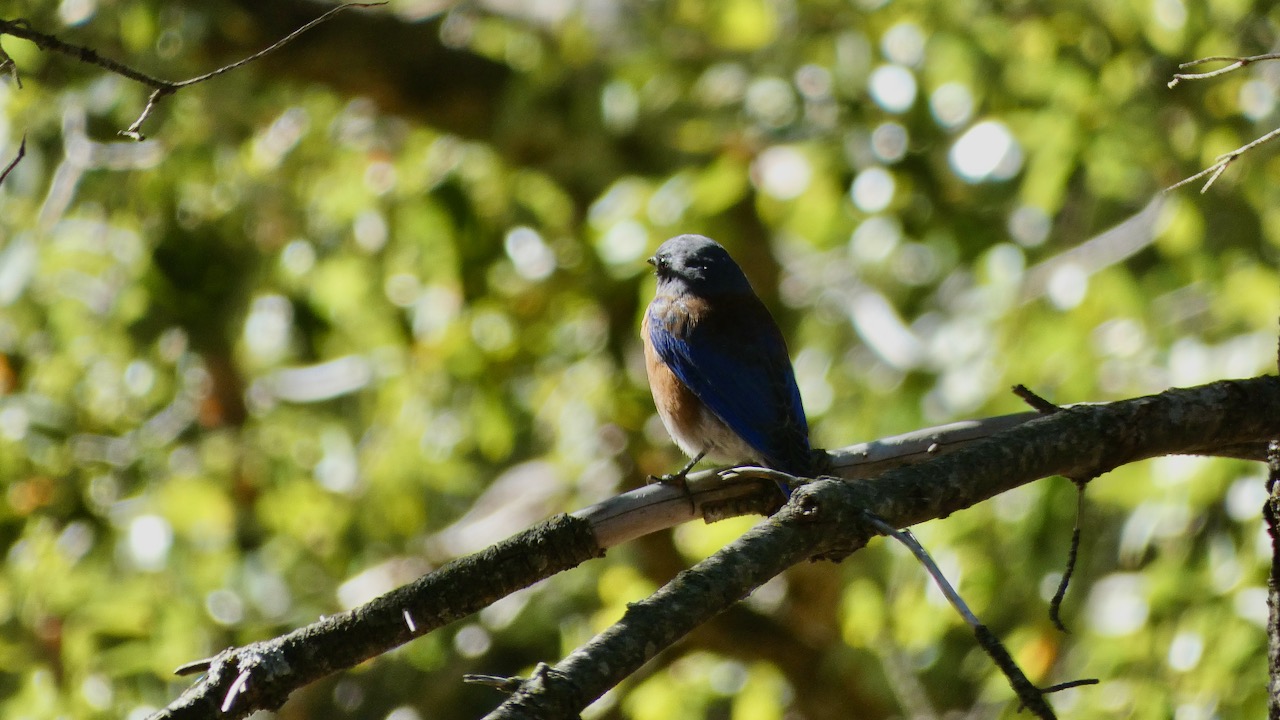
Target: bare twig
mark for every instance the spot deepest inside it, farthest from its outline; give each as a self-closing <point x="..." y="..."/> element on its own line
<point x="1028" y="694"/>
<point x="1220" y="165"/>
<point x="1073" y="552"/>
<point x="907" y="538"/>
<point x="501" y="683"/>
<point x="22" y="29"/>
<point x="1236" y="64"/>
<point x="22" y="151"/>
<point x="7" y="63"/>
<point x="170" y="88"/>
<point x="195" y="667"/>
<point x="160" y="88"/>
<point x="261" y="675"/>
<point x="1037" y="403"/>
<point x="1059" y="687"/>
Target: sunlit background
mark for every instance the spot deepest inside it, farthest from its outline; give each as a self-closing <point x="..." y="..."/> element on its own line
<point x="372" y="303"/>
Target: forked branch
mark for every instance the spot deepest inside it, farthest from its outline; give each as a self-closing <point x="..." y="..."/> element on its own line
<point x="824" y="519"/>
<point x="161" y="88"/>
<point x="1224" y="161"/>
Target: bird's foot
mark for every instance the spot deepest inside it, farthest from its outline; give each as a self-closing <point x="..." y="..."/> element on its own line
<point x="679" y="479"/>
<point x="676" y="480"/>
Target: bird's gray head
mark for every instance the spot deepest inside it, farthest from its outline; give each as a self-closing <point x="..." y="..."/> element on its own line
<point x="699" y="264"/>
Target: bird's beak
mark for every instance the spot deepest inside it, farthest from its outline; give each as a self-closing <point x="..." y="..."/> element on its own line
<point x="653" y="261"/>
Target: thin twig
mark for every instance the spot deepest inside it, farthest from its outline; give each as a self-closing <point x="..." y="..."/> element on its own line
<point x="1028" y="694"/>
<point x="1236" y="64"/>
<point x="501" y="683"/>
<point x="1055" y="605"/>
<point x="22" y="29"/>
<point x="195" y="667"/>
<point x="1220" y="165"/>
<point x="909" y="540"/>
<point x="1068" y="685"/>
<point x="278" y="44"/>
<point x="1037" y="403"/>
<point x="161" y="88"/>
<point x="7" y="63"/>
<point x="170" y="88"/>
<point x="22" y="151"/>
<point x="134" y="131"/>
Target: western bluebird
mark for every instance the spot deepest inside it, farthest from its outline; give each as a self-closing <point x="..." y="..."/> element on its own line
<point x="717" y="364"/>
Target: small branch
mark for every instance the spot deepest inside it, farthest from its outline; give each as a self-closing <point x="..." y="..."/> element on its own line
<point x="1028" y="694"/>
<point x="1215" y="170"/>
<point x="1073" y="552"/>
<point x="169" y="88"/>
<point x="239" y="681"/>
<point x="134" y="131"/>
<point x="907" y="538"/>
<point x="195" y="667"/>
<point x="161" y="88"/>
<point x="1236" y="64"/>
<point x="1220" y="165"/>
<point x="22" y="151"/>
<point x="1037" y="403"/>
<point x="1059" y="687"/>
<point x="22" y="29"/>
<point x="501" y="683"/>
<point x="7" y="63"/>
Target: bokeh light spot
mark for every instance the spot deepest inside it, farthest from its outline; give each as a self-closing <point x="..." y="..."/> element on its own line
<point x="903" y="44"/>
<point x="889" y="142"/>
<point x="872" y="189"/>
<point x="986" y="151"/>
<point x="782" y="172"/>
<point x="951" y="104"/>
<point x="148" y="542"/>
<point x="893" y="88"/>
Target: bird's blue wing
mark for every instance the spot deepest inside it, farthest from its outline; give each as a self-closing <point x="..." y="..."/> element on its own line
<point x="735" y="361"/>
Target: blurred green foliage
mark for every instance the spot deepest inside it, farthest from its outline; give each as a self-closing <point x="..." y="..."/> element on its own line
<point x="372" y="302"/>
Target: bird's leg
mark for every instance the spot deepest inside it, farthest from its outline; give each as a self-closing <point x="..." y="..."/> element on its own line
<point x="680" y="478"/>
<point x="684" y="471"/>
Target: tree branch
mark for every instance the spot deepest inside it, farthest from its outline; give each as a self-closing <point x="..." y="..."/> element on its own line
<point x="22" y="151"/>
<point x="1236" y="64"/>
<point x="1030" y="696"/>
<point x="1220" y="165"/>
<point x="824" y="519"/>
<point x="827" y="518"/>
<point x="239" y="681"/>
<point x="161" y="88"/>
<point x="1271" y="513"/>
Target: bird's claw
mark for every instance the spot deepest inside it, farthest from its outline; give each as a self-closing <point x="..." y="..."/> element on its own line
<point x="676" y="480"/>
<point x="680" y="481"/>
